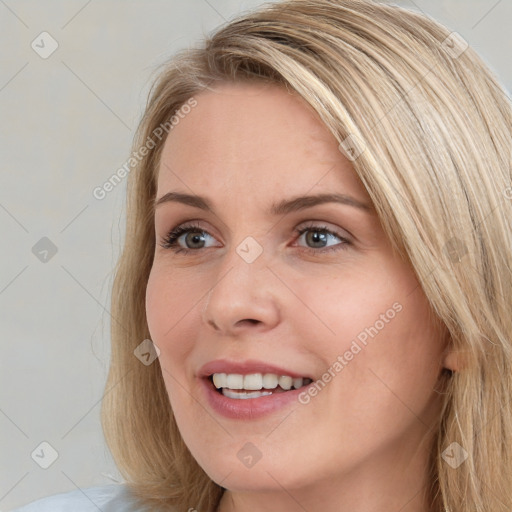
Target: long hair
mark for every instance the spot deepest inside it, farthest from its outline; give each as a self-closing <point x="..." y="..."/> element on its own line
<point x="428" y="128"/>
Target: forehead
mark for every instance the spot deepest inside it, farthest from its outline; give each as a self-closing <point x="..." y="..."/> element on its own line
<point x="256" y="138"/>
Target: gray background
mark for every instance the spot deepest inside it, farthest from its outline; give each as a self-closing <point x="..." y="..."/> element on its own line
<point x="66" y="124"/>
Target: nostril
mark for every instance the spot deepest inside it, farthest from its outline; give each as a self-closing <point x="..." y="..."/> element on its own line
<point x="250" y="320"/>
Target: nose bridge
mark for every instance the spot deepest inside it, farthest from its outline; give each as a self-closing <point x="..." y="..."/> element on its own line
<point x="243" y="290"/>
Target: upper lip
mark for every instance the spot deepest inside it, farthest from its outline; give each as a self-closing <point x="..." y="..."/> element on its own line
<point x="245" y="367"/>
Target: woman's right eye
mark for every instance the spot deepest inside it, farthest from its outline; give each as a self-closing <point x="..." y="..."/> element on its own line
<point x="191" y="234"/>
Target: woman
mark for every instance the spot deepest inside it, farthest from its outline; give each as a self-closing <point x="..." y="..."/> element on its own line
<point x="340" y="339"/>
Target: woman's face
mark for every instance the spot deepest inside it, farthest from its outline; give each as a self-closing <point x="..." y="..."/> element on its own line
<point x="244" y="293"/>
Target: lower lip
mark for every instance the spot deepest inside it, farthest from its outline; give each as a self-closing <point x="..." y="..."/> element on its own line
<point x="248" y="408"/>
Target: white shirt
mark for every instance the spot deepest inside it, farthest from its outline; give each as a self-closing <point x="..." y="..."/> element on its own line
<point x="107" y="498"/>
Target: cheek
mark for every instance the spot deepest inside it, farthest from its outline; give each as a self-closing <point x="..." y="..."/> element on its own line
<point x="382" y="330"/>
<point x="168" y="313"/>
<point x="156" y="305"/>
<point x="344" y="307"/>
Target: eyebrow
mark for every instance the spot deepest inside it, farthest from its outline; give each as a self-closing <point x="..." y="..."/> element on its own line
<point x="281" y="208"/>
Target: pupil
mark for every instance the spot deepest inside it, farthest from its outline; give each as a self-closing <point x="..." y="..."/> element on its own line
<point x="195" y="238"/>
<point x="317" y="236"/>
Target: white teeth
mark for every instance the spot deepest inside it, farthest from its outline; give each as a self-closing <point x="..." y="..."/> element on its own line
<point x="257" y="381"/>
<point x="253" y="381"/>
<point x="285" y="382"/>
<point x="270" y="381"/>
<point x="234" y="381"/>
<point x="242" y="394"/>
<point x="219" y="380"/>
<point x="297" y="383"/>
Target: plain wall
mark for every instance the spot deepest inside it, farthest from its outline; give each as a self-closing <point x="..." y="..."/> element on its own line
<point x="67" y="123"/>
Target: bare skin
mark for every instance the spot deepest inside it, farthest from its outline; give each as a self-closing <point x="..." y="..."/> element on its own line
<point x="362" y="443"/>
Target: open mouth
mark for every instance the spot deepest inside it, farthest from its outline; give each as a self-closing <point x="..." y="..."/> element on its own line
<point x="255" y="385"/>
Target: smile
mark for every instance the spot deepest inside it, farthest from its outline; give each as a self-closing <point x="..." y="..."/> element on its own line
<point x="255" y="385"/>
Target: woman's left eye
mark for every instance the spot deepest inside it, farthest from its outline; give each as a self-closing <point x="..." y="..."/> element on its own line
<point x="321" y="234"/>
<point x="194" y="234"/>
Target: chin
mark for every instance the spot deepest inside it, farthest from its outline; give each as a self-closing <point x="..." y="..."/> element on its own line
<point x="266" y="474"/>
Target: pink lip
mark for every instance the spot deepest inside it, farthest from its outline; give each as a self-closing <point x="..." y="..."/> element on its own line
<point x="249" y="408"/>
<point x="244" y="368"/>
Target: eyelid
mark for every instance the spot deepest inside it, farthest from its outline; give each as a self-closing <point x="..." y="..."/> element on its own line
<point x="321" y="224"/>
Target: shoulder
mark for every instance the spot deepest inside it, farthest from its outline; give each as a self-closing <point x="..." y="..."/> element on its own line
<point x="107" y="498"/>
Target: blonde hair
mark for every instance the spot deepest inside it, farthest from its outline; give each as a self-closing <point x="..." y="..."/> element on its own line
<point x="433" y="128"/>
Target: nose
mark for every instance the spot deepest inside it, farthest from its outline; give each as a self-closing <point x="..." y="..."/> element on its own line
<point x="244" y="297"/>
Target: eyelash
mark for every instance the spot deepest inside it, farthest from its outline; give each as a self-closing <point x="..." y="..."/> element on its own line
<point x="170" y="241"/>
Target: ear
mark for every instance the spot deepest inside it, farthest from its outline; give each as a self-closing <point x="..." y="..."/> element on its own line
<point x="452" y="360"/>
<point x="455" y="360"/>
